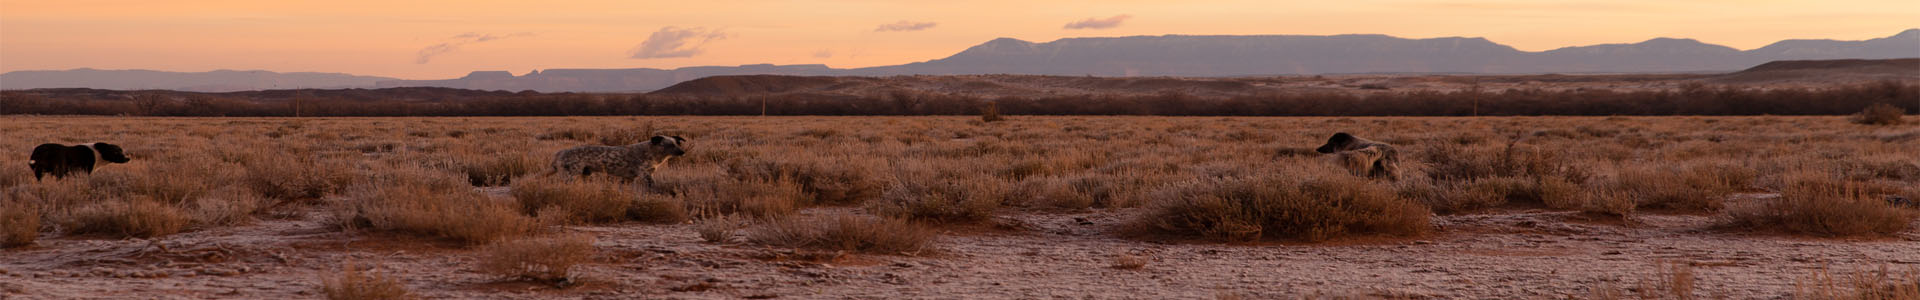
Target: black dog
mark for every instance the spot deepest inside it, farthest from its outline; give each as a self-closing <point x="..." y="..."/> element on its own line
<point x="61" y="160"/>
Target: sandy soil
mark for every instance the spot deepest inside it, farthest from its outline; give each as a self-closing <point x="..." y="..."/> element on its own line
<point x="1508" y="254"/>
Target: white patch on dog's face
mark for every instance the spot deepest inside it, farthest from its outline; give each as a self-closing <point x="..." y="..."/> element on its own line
<point x="96" y="153"/>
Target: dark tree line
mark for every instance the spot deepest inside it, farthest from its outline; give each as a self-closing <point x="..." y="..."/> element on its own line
<point x="1689" y="100"/>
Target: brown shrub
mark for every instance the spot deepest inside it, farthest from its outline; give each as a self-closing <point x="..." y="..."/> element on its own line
<point x="1868" y="284"/>
<point x="719" y="229"/>
<point x="1129" y="262"/>
<point x="496" y="169"/>
<point x="1534" y="190"/>
<point x="990" y="113"/>
<point x="10" y="177"/>
<point x="1454" y="162"/>
<point x="548" y="259"/>
<point x="941" y="200"/>
<point x="577" y="134"/>
<point x="19" y="223"/>
<point x="353" y="284"/>
<point x="1817" y="204"/>
<point x="1600" y="202"/>
<point x="657" y="209"/>
<point x="592" y="200"/>
<point x="175" y="181"/>
<point x="1880" y="114"/>
<point x="1672" y="280"/>
<point x="138" y="217"/>
<point x="1882" y="167"/>
<point x="63" y="194"/>
<point x="1447" y="197"/>
<point x="289" y="178"/>
<point x="845" y="233"/>
<point x="761" y="199"/>
<point x="457" y="214"/>
<point x="1283" y="206"/>
<point x="1699" y="187"/>
<point x="1055" y="192"/>
<point x="833" y="182"/>
<point x="232" y="205"/>
<point x="1676" y="282"/>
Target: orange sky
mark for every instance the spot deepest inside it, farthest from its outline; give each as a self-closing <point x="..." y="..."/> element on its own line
<point x="444" y="39"/>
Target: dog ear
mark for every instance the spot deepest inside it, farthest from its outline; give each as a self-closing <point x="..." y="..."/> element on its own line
<point x="1334" y="143"/>
<point x="679" y="139"/>
<point x="658" y="139"/>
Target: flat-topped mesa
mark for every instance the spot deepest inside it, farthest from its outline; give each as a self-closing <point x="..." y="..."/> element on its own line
<point x="487" y="75"/>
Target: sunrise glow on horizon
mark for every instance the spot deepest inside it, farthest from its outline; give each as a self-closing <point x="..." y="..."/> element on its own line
<point x="446" y="39"/>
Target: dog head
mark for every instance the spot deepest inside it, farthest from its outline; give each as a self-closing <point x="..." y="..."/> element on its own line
<point x="669" y="145"/>
<point x="110" y="153"/>
<point x="1338" y="142"/>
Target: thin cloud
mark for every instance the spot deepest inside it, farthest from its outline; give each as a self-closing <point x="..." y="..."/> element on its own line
<point x="823" y="53"/>
<point x="904" y="25"/>
<point x="671" y="42"/>
<point x="454" y="43"/>
<point x="1097" y="23"/>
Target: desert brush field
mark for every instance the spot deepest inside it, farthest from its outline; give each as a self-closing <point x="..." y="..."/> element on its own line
<point x="954" y="207"/>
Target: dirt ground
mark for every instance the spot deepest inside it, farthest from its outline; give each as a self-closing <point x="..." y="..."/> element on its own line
<point x="1509" y="254"/>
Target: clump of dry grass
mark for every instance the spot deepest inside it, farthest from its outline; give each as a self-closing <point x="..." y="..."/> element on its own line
<point x="497" y="168"/>
<point x="138" y="217"/>
<point x="990" y="113"/>
<point x="1816" y="203"/>
<point x="1694" y="188"/>
<point x="1672" y="280"/>
<point x="1457" y="162"/>
<point x="10" y="177"/>
<point x="719" y="229"/>
<point x="1521" y="190"/>
<point x="436" y="207"/>
<point x="591" y="200"/>
<point x="1057" y="192"/>
<point x="226" y="206"/>
<point x="19" y="223"/>
<point x="1880" y="114"/>
<point x="950" y="201"/>
<point x="657" y="209"/>
<point x="173" y="181"/>
<point x="1676" y="282"/>
<point x="546" y="259"/>
<point x="1876" y="284"/>
<point x="1447" y="197"/>
<point x="1599" y="202"/>
<point x="1298" y="206"/>
<point x="353" y="284"/>
<point x="757" y="198"/>
<point x="1129" y="262"/>
<point x="824" y="181"/>
<point x="845" y="233"/>
<point x="577" y="134"/>
<point x="289" y="178"/>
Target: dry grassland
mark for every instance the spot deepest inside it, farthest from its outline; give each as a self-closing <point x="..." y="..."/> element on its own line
<point x="831" y="207"/>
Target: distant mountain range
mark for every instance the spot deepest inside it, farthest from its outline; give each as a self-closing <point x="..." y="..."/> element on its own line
<point x="213" y="81"/>
<point x="1169" y="55"/>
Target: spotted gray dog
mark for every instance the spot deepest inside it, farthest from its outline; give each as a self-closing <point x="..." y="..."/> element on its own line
<point x="1363" y="157"/>
<point x="636" y="161"/>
